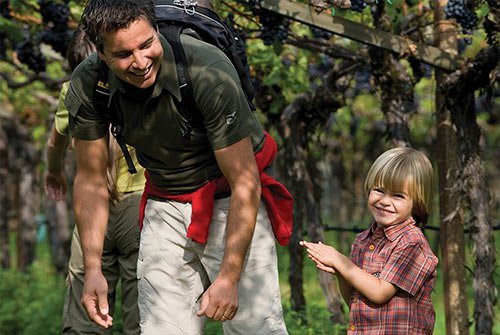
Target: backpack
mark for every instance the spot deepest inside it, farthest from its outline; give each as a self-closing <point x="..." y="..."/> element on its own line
<point x="173" y="18"/>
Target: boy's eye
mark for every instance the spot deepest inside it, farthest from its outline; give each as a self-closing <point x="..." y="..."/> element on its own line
<point x="378" y="190"/>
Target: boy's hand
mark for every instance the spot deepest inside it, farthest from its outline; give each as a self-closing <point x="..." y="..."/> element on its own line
<point x="321" y="254"/>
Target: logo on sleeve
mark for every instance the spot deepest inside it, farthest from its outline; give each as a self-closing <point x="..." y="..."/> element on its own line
<point x="230" y="118"/>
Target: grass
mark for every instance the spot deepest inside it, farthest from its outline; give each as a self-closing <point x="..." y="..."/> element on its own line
<point x="32" y="303"/>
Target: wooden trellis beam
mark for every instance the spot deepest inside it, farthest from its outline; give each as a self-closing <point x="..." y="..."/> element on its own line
<point x="363" y="34"/>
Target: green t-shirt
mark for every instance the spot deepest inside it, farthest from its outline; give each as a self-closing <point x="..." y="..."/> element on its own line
<point x="153" y="125"/>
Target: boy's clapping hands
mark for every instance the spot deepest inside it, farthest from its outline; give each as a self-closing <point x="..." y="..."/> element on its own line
<point x="321" y="254"/>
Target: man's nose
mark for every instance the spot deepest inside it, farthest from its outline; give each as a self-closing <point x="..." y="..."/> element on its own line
<point x="140" y="61"/>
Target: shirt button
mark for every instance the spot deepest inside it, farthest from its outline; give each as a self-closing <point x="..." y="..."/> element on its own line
<point x="354" y="300"/>
<point x="352" y="327"/>
<point x="371" y="247"/>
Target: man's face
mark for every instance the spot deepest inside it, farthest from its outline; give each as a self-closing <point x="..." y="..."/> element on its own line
<point x="133" y="54"/>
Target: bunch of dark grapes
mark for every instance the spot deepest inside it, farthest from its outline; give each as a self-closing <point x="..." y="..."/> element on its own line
<point x="320" y="33"/>
<point x="5" y="12"/>
<point x="4" y="9"/>
<point x="420" y="70"/>
<point x="3" y="46"/>
<point x="55" y="16"/>
<point x="358" y="5"/>
<point x="29" y="54"/>
<point x="58" y="40"/>
<point x="362" y="80"/>
<point x="274" y="27"/>
<point x="462" y="12"/>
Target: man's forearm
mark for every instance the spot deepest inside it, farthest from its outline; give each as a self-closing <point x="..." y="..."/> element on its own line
<point x="91" y="213"/>
<point x="240" y="228"/>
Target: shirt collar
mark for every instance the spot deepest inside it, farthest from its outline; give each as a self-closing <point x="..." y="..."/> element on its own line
<point x="391" y="232"/>
<point x="166" y="79"/>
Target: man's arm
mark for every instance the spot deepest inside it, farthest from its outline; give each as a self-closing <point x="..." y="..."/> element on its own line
<point x="91" y="213"/>
<point x="237" y="163"/>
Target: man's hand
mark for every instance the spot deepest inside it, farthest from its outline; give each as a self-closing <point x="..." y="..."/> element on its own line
<point x="220" y="301"/>
<point x="95" y="298"/>
<point x="55" y="185"/>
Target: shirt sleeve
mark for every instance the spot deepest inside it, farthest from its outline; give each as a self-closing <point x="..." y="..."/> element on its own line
<point x="61" y="116"/>
<point x="84" y="122"/>
<point x="226" y="113"/>
<point x="409" y="268"/>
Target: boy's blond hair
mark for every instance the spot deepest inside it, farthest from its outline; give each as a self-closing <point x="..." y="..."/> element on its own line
<point x="405" y="169"/>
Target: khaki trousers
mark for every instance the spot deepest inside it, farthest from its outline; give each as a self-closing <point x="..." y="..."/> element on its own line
<point x="173" y="272"/>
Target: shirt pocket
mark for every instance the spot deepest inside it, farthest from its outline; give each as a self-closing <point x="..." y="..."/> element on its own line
<point x="377" y="265"/>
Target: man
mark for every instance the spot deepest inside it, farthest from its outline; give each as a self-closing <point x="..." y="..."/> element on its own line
<point x="207" y="246"/>
<point x="121" y="245"/>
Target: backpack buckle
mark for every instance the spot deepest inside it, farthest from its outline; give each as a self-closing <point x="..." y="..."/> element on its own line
<point x="188" y="5"/>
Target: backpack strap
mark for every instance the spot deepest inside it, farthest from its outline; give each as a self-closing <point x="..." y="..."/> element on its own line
<point x="100" y="100"/>
<point x="208" y="25"/>
<point x="186" y="106"/>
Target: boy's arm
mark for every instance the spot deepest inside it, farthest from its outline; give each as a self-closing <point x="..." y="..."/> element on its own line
<point x="374" y="289"/>
<point x="345" y="288"/>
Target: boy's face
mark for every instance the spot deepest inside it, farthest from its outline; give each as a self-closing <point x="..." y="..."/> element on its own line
<point x="133" y="54"/>
<point x="389" y="208"/>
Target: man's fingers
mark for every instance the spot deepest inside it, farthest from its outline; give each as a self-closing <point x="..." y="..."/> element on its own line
<point x="203" y="305"/>
<point x="98" y="310"/>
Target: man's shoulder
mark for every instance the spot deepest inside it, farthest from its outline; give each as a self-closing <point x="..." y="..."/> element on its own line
<point x="201" y="52"/>
<point x="83" y="79"/>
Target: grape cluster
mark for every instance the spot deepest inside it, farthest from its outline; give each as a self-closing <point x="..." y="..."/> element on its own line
<point x="55" y="16"/>
<point x="5" y="12"/>
<point x="420" y="70"/>
<point x="320" y="33"/>
<point x="274" y="27"/>
<point x="29" y="54"/>
<point x="358" y="5"/>
<point x="362" y="80"/>
<point x="4" y="9"/>
<point x="58" y="40"/>
<point x="462" y="12"/>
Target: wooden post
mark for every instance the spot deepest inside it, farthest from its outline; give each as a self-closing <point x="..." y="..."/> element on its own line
<point x="452" y="230"/>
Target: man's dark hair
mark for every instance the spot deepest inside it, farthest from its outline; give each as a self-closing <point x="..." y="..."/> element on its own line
<point x="79" y="48"/>
<point x="104" y="16"/>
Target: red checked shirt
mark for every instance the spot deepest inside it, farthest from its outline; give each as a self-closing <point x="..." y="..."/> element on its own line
<point x="400" y="255"/>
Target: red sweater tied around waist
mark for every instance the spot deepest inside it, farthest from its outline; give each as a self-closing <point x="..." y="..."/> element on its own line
<point x="277" y="199"/>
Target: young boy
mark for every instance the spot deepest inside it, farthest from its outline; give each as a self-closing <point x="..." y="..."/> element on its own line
<point x="388" y="278"/>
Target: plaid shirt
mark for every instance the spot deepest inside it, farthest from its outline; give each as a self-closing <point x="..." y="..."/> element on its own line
<point x="400" y="255"/>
